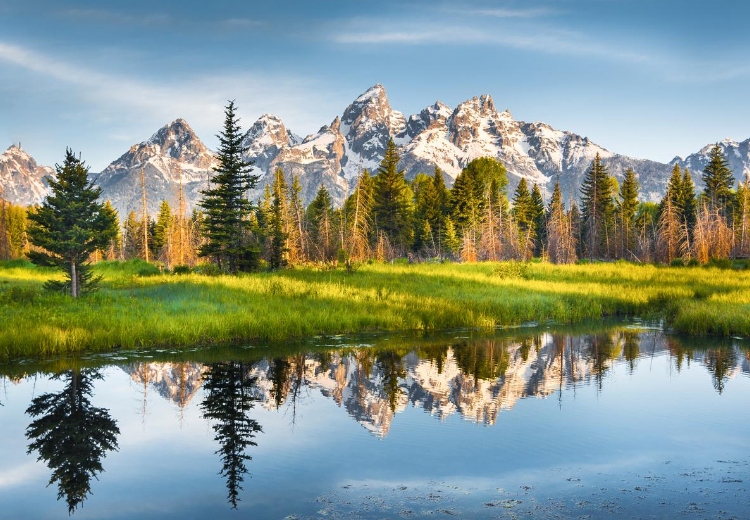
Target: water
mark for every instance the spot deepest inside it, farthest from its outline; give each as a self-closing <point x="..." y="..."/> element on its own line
<point x="533" y="423"/>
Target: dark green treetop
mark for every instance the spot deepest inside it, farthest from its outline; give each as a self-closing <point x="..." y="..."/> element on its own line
<point x="225" y="205"/>
<point x="70" y="225"/>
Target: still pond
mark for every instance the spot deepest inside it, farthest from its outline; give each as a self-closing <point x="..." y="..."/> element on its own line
<point x="622" y="422"/>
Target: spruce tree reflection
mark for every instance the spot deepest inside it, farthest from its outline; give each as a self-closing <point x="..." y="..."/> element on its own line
<point x="72" y="436"/>
<point x="719" y="362"/>
<point x="229" y="399"/>
<point x="631" y="348"/>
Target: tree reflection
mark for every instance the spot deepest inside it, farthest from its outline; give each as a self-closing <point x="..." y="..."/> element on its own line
<point x="720" y="362"/>
<point x="229" y="399"/>
<point x="631" y="348"/>
<point x="72" y="436"/>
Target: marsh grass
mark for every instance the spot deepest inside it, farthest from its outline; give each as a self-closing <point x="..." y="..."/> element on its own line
<point x="137" y="306"/>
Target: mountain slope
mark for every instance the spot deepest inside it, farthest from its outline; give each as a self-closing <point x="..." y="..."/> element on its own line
<point x="172" y="154"/>
<point x="21" y="178"/>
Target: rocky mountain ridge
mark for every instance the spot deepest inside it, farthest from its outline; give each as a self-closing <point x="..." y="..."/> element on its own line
<point x="355" y="140"/>
<point x="21" y="178"/>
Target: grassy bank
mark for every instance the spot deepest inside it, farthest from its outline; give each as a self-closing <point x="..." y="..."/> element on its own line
<point x="134" y="309"/>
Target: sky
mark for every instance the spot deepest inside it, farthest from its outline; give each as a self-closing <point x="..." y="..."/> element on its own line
<point x="647" y="78"/>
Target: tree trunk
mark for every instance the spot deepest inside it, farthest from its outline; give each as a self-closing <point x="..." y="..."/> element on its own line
<point x="73" y="279"/>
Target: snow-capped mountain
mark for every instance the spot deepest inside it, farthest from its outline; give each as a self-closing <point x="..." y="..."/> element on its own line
<point x="172" y="155"/>
<point x="737" y="154"/>
<point x="21" y="178"/>
<point x="444" y="137"/>
<point x="355" y="140"/>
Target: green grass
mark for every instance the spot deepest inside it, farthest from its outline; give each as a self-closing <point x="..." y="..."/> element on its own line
<point x="137" y="306"/>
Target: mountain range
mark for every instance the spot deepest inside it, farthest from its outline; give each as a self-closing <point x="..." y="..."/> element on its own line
<point x="355" y="140"/>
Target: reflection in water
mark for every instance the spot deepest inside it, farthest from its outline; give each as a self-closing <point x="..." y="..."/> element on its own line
<point x="229" y="397"/>
<point x="72" y="436"/>
<point x="476" y="379"/>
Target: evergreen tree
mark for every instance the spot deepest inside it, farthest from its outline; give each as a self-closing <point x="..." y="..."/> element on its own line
<point x="70" y="225"/>
<point x="718" y="181"/>
<point x="225" y="204"/>
<point x="72" y="436"/>
<point x="162" y="229"/>
<point x="597" y="210"/>
<point x="431" y="201"/>
<point x="483" y="179"/>
<point x="320" y="217"/>
<point x="297" y="232"/>
<point x="114" y="249"/>
<point x="539" y="219"/>
<point x="392" y="200"/>
<point x="628" y="207"/>
<point x="279" y="223"/>
<point x="688" y="203"/>
<point x="523" y="208"/>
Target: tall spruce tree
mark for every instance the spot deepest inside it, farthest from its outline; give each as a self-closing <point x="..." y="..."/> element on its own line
<point x="320" y="217"/>
<point x="225" y="205"/>
<point x="392" y="200"/>
<point x="689" y="202"/>
<point x="539" y="218"/>
<point x="627" y="210"/>
<point x="70" y="225"/>
<point x="597" y="210"/>
<point x="718" y="181"/>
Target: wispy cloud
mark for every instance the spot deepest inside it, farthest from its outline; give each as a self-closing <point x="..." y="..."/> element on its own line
<point x="127" y="104"/>
<point x="104" y="16"/>
<point x="545" y="40"/>
<point x="513" y="13"/>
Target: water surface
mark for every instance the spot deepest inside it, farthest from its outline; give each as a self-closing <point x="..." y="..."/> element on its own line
<point x="618" y="423"/>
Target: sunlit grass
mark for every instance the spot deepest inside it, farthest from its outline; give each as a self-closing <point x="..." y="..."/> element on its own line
<point x="137" y="306"/>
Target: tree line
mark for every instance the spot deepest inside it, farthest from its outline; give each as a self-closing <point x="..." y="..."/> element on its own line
<point x="384" y="217"/>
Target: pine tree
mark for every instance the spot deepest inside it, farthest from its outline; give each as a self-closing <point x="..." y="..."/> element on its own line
<point x="627" y="210"/>
<point x="392" y="198"/>
<point x="162" y="237"/>
<point x="225" y="204"/>
<point x="596" y="210"/>
<point x="689" y="203"/>
<point x="320" y="217"/>
<point x="70" y="225"/>
<point x="297" y="232"/>
<point x="539" y="219"/>
<point x="279" y="227"/>
<point x="523" y="208"/>
<point x="718" y="181"/>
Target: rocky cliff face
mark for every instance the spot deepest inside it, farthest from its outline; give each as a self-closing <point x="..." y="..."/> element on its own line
<point x="173" y="155"/>
<point x="22" y="180"/>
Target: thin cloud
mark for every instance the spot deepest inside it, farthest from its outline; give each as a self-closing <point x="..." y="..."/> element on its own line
<point x="104" y="16"/>
<point x="544" y="40"/>
<point x="198" y="99"/>
<point x="513" y="13"/>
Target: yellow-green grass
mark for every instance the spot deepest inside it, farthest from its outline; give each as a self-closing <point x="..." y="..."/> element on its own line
<point x="132" y="310"/>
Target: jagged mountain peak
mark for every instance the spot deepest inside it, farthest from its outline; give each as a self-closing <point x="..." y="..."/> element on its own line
<point x="22" y="180"/>
<point x="177" y="140"/>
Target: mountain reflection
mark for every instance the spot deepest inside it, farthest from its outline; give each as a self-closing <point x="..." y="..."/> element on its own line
<point x="476" y="379"/>
<point x="71" y="436"/>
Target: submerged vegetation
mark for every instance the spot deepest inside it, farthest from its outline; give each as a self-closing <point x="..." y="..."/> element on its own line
<point x="138" y="306"/>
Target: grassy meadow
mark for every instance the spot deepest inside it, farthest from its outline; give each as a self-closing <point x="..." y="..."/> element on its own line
<point x="136" y="306"/>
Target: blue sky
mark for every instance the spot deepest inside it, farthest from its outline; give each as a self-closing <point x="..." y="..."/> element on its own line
<point x="647" y="78"/>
